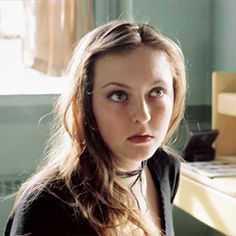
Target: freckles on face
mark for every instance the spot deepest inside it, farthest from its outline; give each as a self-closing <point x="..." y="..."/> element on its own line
<point x="133" y="101"/>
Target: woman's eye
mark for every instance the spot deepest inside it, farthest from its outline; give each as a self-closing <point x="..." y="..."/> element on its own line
<point x="157" y="93"/>
<point x="118" y="96"/>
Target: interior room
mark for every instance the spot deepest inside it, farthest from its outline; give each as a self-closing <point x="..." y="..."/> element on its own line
<point x="206" y="31"/>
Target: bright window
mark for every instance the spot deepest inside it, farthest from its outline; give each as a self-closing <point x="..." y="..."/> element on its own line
<point x="14" y="77"/>
<point x="11" y="30"/>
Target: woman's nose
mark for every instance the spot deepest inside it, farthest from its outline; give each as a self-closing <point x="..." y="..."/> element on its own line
<point x="140" y="112"/>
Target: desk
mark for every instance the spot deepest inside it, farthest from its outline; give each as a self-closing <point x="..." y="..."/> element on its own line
<point x="212" y="201"/>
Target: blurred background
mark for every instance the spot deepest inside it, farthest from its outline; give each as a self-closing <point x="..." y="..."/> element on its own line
<point x="37" y="38"/>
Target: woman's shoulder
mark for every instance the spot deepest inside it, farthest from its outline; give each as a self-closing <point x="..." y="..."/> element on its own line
<point x="166" y="169"/>
<point x="162" y="159"/>
<point x="46" y="197"/>
<point x="34" y="210"/>
<point x="46" y="213"/>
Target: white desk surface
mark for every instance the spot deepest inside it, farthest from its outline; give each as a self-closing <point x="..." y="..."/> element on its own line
<point x="212" y="201"/>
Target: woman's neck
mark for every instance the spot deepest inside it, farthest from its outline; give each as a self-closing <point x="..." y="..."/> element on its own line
<point x="127" y="164"/>
<point x="135" y="180"/>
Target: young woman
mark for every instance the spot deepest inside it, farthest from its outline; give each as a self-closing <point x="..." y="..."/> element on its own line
<point x="110" y="170"/>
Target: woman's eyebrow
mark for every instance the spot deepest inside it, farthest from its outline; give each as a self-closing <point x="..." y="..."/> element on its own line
<point x="159" y="81"/>
<point x="117" y="84"/>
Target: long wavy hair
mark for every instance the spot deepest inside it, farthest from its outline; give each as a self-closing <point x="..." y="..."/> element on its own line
<point x="77" y="148"/>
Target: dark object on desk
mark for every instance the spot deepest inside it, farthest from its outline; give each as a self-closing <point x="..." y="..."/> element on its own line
<point x="198" y="145"/>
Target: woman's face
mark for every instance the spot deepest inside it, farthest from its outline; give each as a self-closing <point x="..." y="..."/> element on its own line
<point x="133" y="102"/>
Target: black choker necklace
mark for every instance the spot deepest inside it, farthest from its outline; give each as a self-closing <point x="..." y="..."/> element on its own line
<point x="127" y="174"/>
<point x="138" y="179"/>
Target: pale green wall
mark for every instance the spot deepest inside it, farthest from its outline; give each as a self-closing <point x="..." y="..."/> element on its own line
<point x="22" y="141"/>
<point x="223" y="35"/>
<point x="22" y="134"/>
<point x="107" y="10"/>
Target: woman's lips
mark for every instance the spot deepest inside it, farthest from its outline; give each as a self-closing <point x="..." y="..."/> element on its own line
<point x="140" y="138"/>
